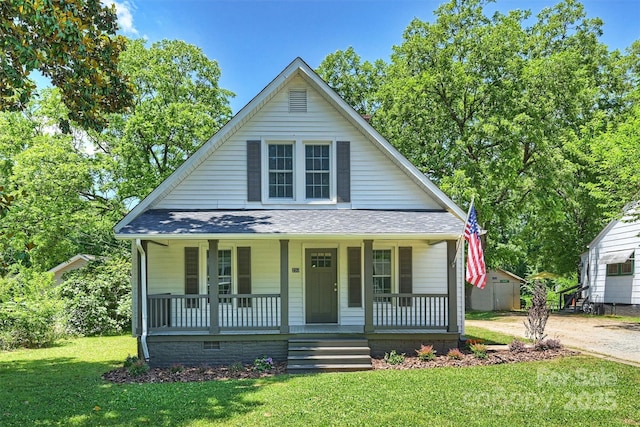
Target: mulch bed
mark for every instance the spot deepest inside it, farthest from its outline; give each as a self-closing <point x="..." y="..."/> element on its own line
<point x="493" y="358"/>
<point x="211" y="373"/>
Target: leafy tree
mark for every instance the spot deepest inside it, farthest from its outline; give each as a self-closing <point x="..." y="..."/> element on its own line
<point x="355" y="81"/>
<point x="178" y="106"/>
<point x="58" y="211"/>
<point x="489" y="107"/>
<point x="71" y="42"/>
<point x="30" y="310"/>
<point x="97" y="298"/>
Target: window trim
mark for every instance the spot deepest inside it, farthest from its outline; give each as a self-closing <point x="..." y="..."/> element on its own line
<point x="330" y="172"/>
<point x="205" y="273"/>
<point x="393" y="266"/>
<point x="299" y="170"/>
<point x="269" y="171"/>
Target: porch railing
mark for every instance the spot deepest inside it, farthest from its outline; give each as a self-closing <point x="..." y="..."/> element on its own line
<point x="398" y="311"/>
<point x="192" y="312"/>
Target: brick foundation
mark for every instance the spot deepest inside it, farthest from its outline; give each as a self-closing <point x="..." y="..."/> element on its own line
<point x="211" y="353"/>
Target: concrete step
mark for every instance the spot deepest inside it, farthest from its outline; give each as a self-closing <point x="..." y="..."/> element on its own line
<point x="336" y="358"/>
<point x="330" y="342"/>
<point x="293" y="368"/>
<point x="315" y="350"/>
<point x="328" y="355"/>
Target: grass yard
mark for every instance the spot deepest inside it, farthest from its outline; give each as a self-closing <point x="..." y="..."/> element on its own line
<point x="62" y="386"/>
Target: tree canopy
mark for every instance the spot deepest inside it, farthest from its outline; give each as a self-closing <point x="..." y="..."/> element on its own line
<point x="523" y="113"/>
<point x="74" y="44"/>
<point x="178" y="105"/>
<point x="63" y="192"/>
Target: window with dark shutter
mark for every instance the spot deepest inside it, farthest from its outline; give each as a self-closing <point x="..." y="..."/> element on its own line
<point x="254" y="163"/>
<point x="405" y="265"/>
<point x="191" y="276"/>
<point x="244" y="275"/>
<point x="354" y="267"/>
<point x="343" y="173"/>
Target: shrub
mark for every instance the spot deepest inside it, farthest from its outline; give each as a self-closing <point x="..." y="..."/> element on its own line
<point x="139" y="367"/>
<point x="426" y="352"/>
<point x="263" y="364"/>
<point x="97" y="298"/>
<point x="548" y="344"/>
<point x="517" y="346"/>
<point x="30" y="311"/>
<point x="479" y="350"/>
<point x="471" y="342"/>
<point x="394" y="358"/>
<point x="236" y="367"/>
<point x="455" y="353"/>
<point x="129" y="361"/>
<point x="175" y="368"/>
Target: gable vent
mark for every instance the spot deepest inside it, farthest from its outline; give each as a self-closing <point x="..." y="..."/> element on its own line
<point x="298" y="101"/>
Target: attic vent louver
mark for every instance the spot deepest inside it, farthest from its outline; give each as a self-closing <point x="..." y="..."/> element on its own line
<point x="298" y="101"/>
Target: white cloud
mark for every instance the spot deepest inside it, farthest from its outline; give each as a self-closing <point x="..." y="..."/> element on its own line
<point x="125" y="17"/>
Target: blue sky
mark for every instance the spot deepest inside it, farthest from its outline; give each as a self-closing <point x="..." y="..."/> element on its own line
<point x="253" y="40"/>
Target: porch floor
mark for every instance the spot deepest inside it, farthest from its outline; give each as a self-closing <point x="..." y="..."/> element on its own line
<point x="300" y="330"/>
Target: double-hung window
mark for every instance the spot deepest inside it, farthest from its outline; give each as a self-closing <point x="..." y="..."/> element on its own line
<point x="225" y="276"/>
<point x="300" y="171"/>
<point x="382" y="271"/>
<point x="317" y="167"/>
<point x="281" y="165"/>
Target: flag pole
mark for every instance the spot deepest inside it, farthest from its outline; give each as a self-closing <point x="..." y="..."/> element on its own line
<point x="464" y="226"/>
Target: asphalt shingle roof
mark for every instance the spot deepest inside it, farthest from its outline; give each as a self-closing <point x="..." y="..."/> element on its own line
<point x="293" y="222"/>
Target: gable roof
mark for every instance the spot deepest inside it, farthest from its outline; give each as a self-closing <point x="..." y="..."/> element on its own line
<point x="514" y="276"/>
<point x="300" y="68"/>
<point x="626" y="210"/>
<point x="71" y="261"/>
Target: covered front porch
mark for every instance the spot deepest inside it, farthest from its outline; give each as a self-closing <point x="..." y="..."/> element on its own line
<point x="360" y="306"/>
<point x="252" y="313"/>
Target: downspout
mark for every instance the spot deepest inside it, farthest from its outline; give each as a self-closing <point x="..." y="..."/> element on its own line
<point x="143" y="298"/>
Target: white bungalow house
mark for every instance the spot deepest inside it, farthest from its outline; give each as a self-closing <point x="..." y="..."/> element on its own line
<point x="296" y="227"/>
<point x="609" y="268"/>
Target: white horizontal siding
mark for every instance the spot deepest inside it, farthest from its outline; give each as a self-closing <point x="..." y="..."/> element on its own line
<point x="166" y="272"/>
<point x="221" y="180"/>
<point x="622" y="236"/>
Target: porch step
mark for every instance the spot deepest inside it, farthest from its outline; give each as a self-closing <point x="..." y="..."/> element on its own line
<point x="328" y="355"/>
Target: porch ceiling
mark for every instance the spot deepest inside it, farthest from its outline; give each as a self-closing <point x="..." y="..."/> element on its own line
<point x="294" y="223"/>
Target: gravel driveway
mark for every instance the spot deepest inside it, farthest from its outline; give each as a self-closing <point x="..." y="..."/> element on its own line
<point x="606" y="336"/>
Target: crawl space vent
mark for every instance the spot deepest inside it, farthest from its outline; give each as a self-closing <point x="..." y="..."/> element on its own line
<point x="298" y="101"/>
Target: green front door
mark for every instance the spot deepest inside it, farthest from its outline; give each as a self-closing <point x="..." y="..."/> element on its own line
<point x="321" y="286"/>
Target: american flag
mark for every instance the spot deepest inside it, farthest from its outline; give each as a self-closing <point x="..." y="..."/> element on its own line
<point x="476" y="270"/>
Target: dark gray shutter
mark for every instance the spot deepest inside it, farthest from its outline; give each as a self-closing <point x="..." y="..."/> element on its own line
<point x="406" y="274"/>
<point x="244" y="275"/>
<point x="254" y="172"/>
<point x="343" y="175"/>
<point x="191" y="276"/>
<point x="354" y="267"/>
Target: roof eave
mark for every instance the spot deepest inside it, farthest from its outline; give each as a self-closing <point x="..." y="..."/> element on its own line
<point x="290" y="236"/>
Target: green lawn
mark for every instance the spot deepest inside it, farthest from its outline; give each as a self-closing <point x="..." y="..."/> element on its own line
<point x="62" y="386"/>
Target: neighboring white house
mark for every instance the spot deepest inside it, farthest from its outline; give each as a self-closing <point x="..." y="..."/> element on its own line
<point x="74" y="263"/>
<point x="317" y="227"/>
<point x="609" y="267"/>
<point x="501" y="293"/>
